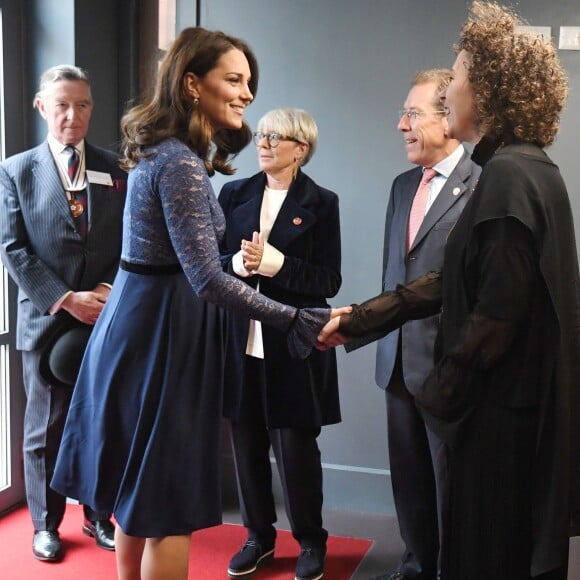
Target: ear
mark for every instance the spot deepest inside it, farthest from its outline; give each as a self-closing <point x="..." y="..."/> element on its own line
<point x="191" y="85"/>
<point x="303" y="148"/>
<point x="39" y="104"/>
<point x="445" y="127"/>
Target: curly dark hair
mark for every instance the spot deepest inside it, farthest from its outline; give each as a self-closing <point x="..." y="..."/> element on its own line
<point x="519" y="85"/>
<point x="171" y="112"/>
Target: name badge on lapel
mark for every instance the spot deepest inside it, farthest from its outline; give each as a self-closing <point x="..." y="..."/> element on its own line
<point x="99" y="177"/>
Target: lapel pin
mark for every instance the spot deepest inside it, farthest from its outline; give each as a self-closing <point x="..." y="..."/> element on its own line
<point x="297" y="221"/>
<point x="456" y="191"/>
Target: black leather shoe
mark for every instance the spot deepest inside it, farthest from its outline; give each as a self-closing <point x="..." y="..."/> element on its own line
<point x="310" y="564"/>
<point x="103" y="531"/>
<point x="46" y="546"/>
<point x="247" y="560"/>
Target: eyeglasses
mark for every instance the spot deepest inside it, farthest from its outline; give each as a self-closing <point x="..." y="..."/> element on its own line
<point x="415" y="113"/>
<point x="272" y="138"/>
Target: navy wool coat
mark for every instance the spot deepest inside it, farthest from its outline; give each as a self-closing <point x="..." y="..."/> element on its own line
<point x="299" y="393"/>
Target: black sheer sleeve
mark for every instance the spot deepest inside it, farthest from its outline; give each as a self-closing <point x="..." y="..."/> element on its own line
<point x="378" y="316"/>
<point x="507" y="271"/>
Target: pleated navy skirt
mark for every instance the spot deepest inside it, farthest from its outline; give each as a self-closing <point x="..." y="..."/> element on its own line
<point x="143" y="429"/>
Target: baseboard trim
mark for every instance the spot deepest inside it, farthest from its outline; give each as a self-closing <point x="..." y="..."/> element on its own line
<point x="346" y="487"/>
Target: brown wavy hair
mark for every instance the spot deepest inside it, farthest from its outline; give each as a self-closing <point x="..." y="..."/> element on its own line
<point x="519" y="86"/>
<point x="170" y="112"/>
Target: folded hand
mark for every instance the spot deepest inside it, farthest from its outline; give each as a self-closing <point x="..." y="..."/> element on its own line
<point x="253" y="251"/>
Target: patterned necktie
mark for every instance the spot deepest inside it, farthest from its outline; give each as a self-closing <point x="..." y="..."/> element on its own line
<point x="73" y="163"/>
<point x="77" y="199"/>
<point x="419" y="206"/>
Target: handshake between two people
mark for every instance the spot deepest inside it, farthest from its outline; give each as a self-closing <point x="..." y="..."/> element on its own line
<point x="255" y="252"/>
<point x="361" y="324"/>
<point x="330" y="336"/>
<point x="252" y="252"/>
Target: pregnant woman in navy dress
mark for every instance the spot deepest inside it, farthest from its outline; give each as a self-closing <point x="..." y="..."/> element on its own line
<point x="142" y="435"/>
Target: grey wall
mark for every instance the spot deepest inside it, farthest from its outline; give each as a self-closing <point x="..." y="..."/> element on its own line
<point x="84" y="33"/>
<point x="349" y="63"/>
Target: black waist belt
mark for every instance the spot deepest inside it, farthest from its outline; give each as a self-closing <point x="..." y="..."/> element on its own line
<point x="151" y="269"/>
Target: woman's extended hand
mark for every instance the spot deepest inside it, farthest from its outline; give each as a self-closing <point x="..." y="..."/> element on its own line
<point x="329" y="336"/>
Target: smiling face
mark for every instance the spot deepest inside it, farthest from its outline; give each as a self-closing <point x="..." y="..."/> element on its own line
<point x="425" y="139"/>
<point x="224" y="92"/>
<point x="67" y="107"/>
<point x="458" y="101"/>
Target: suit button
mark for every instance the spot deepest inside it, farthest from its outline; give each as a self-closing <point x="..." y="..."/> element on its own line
<point x="412" y="258"/>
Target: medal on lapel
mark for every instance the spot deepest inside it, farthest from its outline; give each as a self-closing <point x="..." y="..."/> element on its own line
<point x="76" y="180"/>
<point x="76" y="207"/>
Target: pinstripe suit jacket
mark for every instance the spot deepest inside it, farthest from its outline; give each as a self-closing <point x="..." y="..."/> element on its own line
<point x="39" y="244"/>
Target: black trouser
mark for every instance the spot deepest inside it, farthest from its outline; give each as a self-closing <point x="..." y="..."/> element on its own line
<point x="418" y="463"/>
<point x="298" y="460"/>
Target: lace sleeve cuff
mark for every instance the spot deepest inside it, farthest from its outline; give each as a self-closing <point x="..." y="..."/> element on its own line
<point x="304" y="330"/>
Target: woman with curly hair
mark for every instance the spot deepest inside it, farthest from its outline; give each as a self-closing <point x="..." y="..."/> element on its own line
<point x="504" y="393"/>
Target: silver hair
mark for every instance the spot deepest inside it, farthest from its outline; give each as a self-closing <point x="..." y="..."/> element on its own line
<point x="60" y="72"/>
<point x="294" y="123"/>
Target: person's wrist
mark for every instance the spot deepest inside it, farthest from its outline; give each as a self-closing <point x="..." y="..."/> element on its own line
<point x="294" y="319"/>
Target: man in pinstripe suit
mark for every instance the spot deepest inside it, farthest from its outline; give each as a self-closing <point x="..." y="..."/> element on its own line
<point x="60" y="240"/>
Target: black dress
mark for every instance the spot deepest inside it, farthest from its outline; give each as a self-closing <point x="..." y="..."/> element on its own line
<point x="504" y="391"/>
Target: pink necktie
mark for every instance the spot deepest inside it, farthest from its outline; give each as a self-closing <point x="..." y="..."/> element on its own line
<point x="419" y="206"/>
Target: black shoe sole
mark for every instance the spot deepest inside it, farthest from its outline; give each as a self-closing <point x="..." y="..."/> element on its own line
<point x="310" y="577"/>
<point x="317" y="577"/>
<point x="262" y="561"/>
<point x="56" y="558"/>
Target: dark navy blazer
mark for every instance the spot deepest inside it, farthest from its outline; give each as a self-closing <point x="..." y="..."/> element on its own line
<point x="307" y="231"/>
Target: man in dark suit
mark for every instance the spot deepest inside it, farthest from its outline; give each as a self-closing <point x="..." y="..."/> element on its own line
<point x="61" y="207"/>
<point x="423" y="207"/>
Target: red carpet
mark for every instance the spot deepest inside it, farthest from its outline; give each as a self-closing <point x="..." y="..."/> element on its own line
<point x="210" y="553"/>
